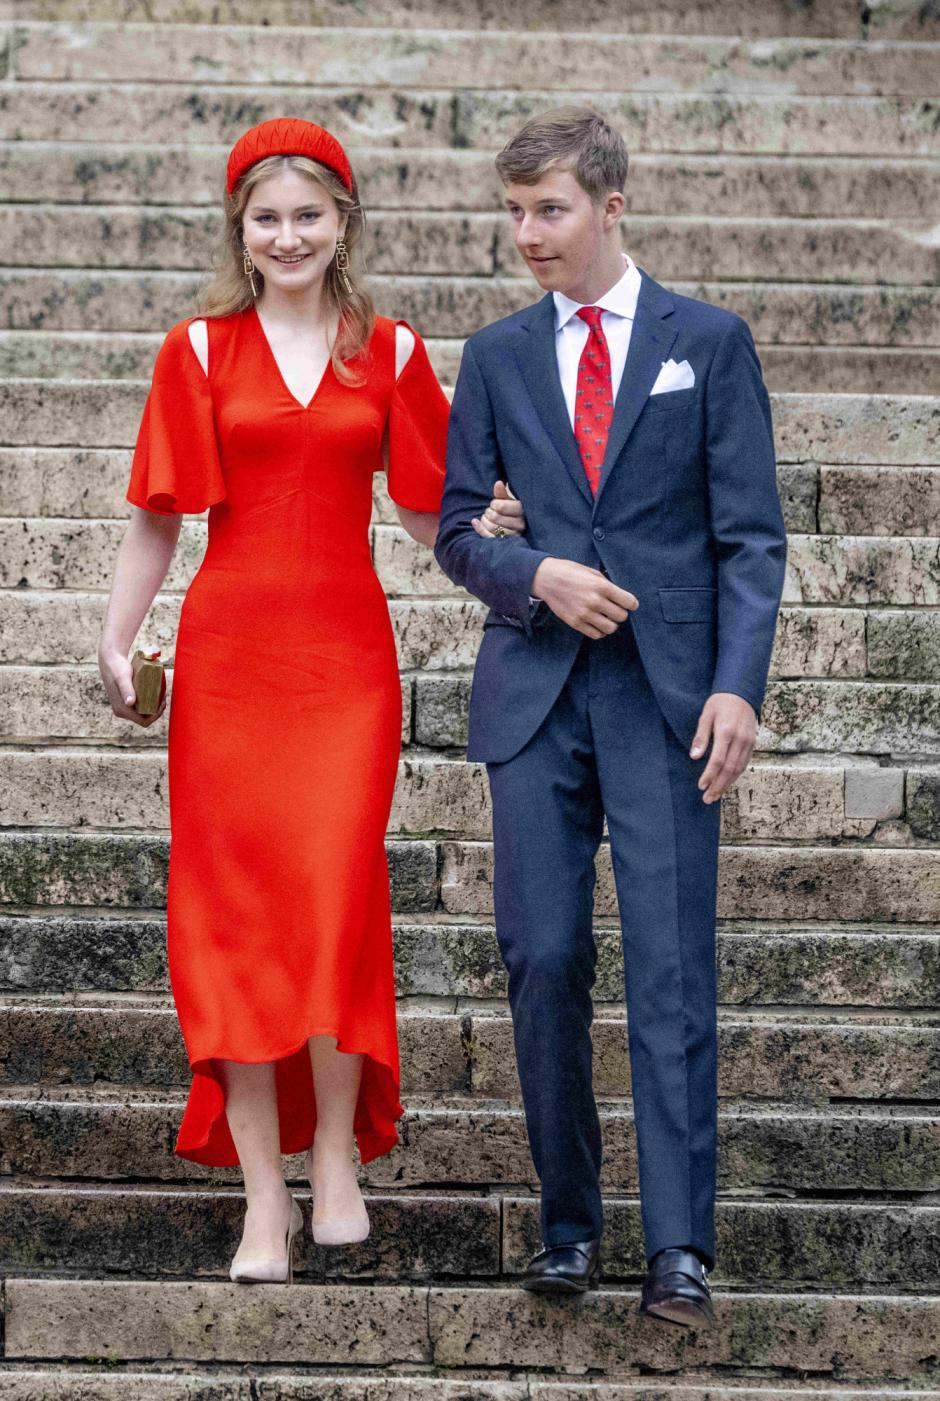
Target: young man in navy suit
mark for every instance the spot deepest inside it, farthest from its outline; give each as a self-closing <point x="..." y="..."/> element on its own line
<point x="621" y="674"/>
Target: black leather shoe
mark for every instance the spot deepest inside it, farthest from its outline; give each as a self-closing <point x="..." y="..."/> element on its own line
<point x="564" y="1269"/>
<point x="676" y="1288"/>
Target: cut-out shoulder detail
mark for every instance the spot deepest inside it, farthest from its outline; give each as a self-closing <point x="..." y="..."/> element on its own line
<point x="199" y="339"/>
<point x="404" y="345"/>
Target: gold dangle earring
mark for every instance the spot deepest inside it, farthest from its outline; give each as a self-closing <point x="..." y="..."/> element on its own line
<point x="249" y="268"/>
<point x="342" y="263"/>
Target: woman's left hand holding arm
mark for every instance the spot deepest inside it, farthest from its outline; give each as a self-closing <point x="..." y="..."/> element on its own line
<point x="503" y="516"/>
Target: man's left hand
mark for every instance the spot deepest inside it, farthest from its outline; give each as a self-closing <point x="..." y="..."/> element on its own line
<point x="733" y="722"/>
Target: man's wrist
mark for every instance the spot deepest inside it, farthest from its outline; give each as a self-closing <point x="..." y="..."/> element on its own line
<point x="534" y="585"/>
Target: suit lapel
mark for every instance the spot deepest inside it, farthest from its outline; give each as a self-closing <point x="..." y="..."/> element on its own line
<point x="534" y="348"/>
<point x="650" y="343"/>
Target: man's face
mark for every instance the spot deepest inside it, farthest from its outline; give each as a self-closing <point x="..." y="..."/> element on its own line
<point x="558" y="230"/>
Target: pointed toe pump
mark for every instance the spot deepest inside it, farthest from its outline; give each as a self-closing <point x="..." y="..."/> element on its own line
<point x="341" y="1230"/>
<point x="266" y="1270"/>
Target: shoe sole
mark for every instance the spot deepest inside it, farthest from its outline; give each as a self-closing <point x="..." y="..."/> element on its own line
<point x="557" y="1285"/>
<point x="680" y="1311"/>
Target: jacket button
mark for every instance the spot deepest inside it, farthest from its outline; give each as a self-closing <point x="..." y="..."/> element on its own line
<point x="598" y="533"/>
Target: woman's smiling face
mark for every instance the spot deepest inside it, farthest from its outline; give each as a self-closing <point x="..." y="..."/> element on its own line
<point x="291" y="224"/>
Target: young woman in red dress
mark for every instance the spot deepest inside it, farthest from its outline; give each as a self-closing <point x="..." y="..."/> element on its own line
<point x="274" y="408"/>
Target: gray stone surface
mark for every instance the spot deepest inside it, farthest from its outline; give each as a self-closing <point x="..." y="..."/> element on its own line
<point x="826" y="1149"/>
<point x="754" y="883"/>
<point x="438" y="58"/>
<point x="835" y="19"/>
<point x="851" y="1336"/>
<point x="797" y="1243"/>
<point x="778" y="313"/>
<point x="877" y="793"/>
<point x="106" y="1320"/>
<point x="133" y="174"/>
<point x="481" y="243"/>
<point x="153" y="1233"/>
<point x="834" y="1337"/>
<point x="866" y="967"/>
<point x="107" y="869"/>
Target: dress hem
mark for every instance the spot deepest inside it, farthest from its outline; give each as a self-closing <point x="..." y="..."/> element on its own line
<point x="373" y="1139"/>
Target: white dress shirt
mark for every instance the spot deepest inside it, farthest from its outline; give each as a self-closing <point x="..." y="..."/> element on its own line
<point x="571" y="333"/>
<point x="618" y="308"/>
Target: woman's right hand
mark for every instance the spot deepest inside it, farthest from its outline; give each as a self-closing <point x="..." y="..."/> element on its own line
<point x="118" y="678"/>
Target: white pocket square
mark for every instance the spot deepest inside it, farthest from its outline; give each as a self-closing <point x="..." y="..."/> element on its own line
<point x="673" y="376"/>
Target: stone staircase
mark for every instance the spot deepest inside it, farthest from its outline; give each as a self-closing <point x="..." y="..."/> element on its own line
<point x="797" y="162"/>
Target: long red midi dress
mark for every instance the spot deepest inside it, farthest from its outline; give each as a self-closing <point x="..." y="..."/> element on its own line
<point x="285" y="715"/>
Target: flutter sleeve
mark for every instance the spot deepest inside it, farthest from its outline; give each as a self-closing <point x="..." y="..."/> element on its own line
<point x="418" y="415"/>
<point x="176" y="465"/>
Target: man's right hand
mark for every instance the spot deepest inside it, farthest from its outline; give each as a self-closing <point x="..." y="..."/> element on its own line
<point x="582" y="597"/>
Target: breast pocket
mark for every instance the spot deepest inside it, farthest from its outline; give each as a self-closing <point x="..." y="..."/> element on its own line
<point x="672" y="399"/>
<point x="691" y="605"/>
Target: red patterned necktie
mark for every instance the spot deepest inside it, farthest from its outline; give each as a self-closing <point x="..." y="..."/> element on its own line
<point x="594" y="400"/>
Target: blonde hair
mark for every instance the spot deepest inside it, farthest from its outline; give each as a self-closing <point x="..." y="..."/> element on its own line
<point x="230" y="291"/>
<point x="568" y="138"/>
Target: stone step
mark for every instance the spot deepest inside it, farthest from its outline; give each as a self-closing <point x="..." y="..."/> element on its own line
<point x="834" y="498"/>
<point x="800" y="1058"/>
<point x="875" y="971"/>
<point x="842" y="1336"/>
<point x="771" y="187"/>
<point x="800" y="801"/>
<point x="73" y="870"/>
<point x="824" y="715"/>
<point x="56" y="629"/>
<point x="50" y="553"/>
<point x="777" y="312"/>
<point x="474" y="118"/>
<point x="785" y="882"/>
<point x="42" y="705"/>
<point x="115" y="1133"/>
<point x="837" y="430"/>
<point x="101" y="1229"/>
<point x="23" y="1382"/>
<point x="59" y="628"/>
<point x="878" y="884"/>
<point x="841" y="569"/>
<point x="837" y="19"/>
<point x="418" y="58"/>
<point x="62" y="627"/>
<point x="803" y="369"/>
<point x="712" y="247"/>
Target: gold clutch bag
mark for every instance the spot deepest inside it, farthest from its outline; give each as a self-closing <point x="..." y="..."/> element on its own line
<point x="149" y="682"/>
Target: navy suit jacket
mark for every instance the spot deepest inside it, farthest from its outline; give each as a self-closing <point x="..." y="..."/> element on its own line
<point x="687" y="515"/>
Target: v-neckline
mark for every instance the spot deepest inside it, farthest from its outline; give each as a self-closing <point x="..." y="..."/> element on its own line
<point x="291" y="395"/>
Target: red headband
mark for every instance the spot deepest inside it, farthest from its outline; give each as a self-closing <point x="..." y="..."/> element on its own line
<point x="287" y="136"/>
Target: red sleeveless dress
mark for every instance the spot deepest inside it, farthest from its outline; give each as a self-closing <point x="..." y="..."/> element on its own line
<point x="285" y="714"/>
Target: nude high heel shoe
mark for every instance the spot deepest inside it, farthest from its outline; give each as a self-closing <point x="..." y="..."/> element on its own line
<point x="339" y="1232"/>
<point x="265" y="1270"/>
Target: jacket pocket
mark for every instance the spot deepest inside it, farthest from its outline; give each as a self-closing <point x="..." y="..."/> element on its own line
<point x="691" y="605"/>
<point x="672" y="399"/>
<point x="501" y="620"/>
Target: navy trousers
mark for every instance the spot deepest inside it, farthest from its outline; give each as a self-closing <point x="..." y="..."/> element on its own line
<point x="605" y="749"/>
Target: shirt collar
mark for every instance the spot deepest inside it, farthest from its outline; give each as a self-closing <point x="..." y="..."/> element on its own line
<point x="621" y="299"/>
